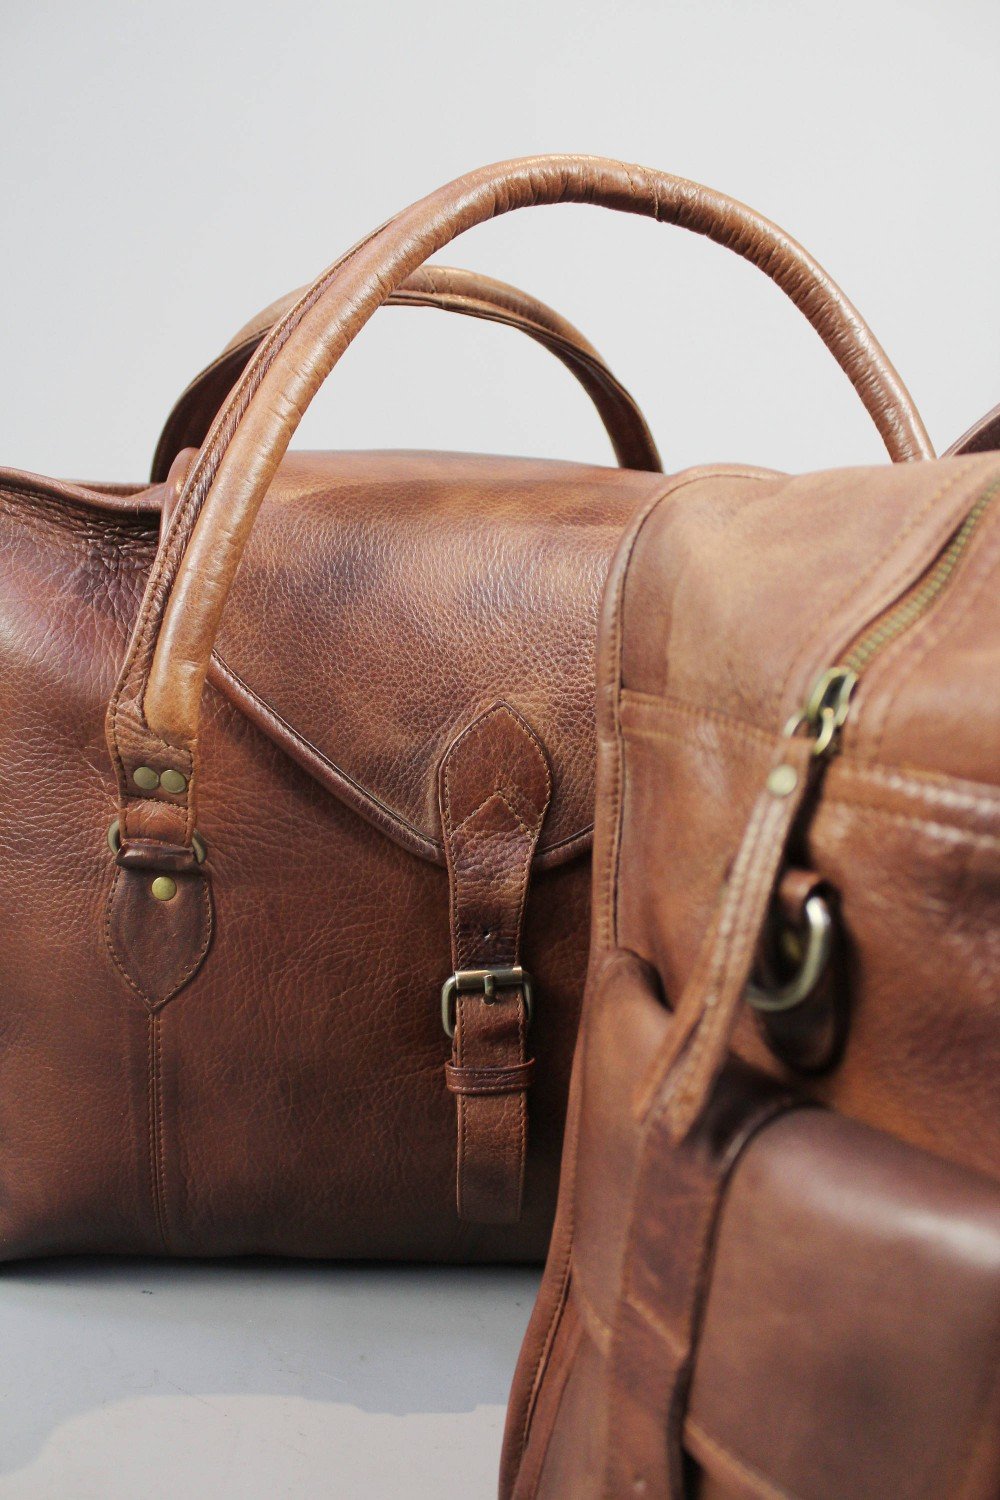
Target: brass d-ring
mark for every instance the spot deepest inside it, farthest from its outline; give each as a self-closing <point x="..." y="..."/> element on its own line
<point x="197" y="842"/>
<point x="771" y="999"/>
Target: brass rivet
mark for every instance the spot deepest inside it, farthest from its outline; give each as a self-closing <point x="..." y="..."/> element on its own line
<point x="146" y="777"/>
<point x="782" y="781"/>
<point x="164" y="888"/>
<point x="173" y="781"/>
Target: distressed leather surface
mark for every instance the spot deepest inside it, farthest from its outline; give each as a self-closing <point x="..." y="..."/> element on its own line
<point x="155" y="707"/>
<point x="387" y="599"/>
<point x="729" y="595"/>
<point x="291" y="1097"/>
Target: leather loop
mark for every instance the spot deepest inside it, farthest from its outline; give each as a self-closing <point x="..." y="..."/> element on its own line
<point x="152" y="854"/>
<point x="495" y="789"/>
<point x="449" y="289"/>
<point x="505" y="1080"/>
<point x="157" y="701"/>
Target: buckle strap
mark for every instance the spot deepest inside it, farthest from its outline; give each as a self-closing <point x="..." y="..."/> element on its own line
<point x="484" y="982"/>
<point x="494" y="791"/>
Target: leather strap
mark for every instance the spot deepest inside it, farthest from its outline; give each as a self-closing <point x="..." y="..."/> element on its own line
<point x="681" y="1079"/>
<point x="451" y="290"/>
<point x="668" y="1256"/>
<point x="982" y="437"/>
<point x="494" y="788"/>
<point x="695" y="1123"/>
<point x="153" y="715"/>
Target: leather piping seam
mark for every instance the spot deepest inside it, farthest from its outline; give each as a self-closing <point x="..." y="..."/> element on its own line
<point x="540" y="1370"/>
<point x="599" y="1330"/>
<point x="895" y="778"/>
<point x="369" y="805"/>
<point x="618" y="788"/>
<point x="911" y="653"/>
<point x="762" y="1486"/>
<point x="605" y="906"/>
<point x="931" y="826"/>
<point x="155" y="1109"/>
<point x="899" y="576"/>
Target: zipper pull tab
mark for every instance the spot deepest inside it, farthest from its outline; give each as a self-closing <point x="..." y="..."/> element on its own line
<point x="825" y="711"/>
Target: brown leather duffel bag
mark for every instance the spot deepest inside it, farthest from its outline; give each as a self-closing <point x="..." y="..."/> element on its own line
<point x="266" y="788"/>
<point x="797" y="861"/>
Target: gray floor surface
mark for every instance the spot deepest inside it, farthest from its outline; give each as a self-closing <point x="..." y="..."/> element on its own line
<point x="245" y="1381"/>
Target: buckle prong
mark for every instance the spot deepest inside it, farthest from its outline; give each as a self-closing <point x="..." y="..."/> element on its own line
<point x="484" y="982"/>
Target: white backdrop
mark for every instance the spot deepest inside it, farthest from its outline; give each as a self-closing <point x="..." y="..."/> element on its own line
<point x="167" y="169"/>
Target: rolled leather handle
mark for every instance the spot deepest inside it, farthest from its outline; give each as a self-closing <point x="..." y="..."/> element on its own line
<point x="155" y="707"/>
<point x="982" y="437"/>
<point x="451" y="290"/>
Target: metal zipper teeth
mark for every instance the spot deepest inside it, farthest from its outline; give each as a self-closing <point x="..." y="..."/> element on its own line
<point x="924" y="594"/>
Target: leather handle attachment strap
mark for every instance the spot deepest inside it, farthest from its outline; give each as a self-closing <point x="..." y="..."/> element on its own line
<point x="153" y="715"/>
<point x="449" y="289"/>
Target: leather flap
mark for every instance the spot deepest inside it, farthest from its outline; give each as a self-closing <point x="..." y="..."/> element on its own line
<point x="388" y="599"/>
<point x="851" y="1340"/>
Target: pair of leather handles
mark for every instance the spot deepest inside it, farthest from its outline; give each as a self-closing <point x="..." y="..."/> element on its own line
<point x="153" y="715"/>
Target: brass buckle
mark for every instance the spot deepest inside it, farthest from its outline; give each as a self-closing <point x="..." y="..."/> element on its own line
<point x="483" y="982"/>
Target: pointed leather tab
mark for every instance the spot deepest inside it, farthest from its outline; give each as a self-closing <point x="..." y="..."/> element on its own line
<point x="158" y="946"/>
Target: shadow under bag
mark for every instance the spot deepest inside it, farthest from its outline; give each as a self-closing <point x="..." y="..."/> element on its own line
<point x="775" y="1270"/>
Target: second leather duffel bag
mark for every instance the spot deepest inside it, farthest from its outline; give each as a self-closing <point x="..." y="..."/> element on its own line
<point x="296" y="784"/>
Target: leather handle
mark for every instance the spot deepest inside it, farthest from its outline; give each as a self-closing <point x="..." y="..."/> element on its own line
<point x="982" y="437"/>
<point x="449" y="289"/>
<point x="154" y="711"/>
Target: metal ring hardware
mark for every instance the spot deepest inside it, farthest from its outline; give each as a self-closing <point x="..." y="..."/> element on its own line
<point x="826" y="711"/>
<point x="197" y="842"/>
<point x="816" y="955"/>
<point x="484" y="982"/>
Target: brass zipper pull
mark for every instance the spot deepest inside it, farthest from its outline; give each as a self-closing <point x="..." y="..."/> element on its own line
<point x="825" y="711"/>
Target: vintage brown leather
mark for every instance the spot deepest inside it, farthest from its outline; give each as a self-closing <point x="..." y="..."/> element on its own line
<point x="982" y="437"/>
<point x="451" y="290"/>
<point x="741" y="1301"/>
<point x="345" y="750"/>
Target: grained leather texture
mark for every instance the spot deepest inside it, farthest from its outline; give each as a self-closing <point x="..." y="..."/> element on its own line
<point x="271" y="1075"/>
<point x="424" y="580"/>
<point x="721" y="610"/>
<point x="291" y="1097"/>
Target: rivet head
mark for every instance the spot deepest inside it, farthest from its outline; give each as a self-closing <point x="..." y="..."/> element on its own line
<point x="146" y="778"/>
<point x="164" y="888"/>
<point x="782" y="781"/>
<point x="173" y="781"/>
